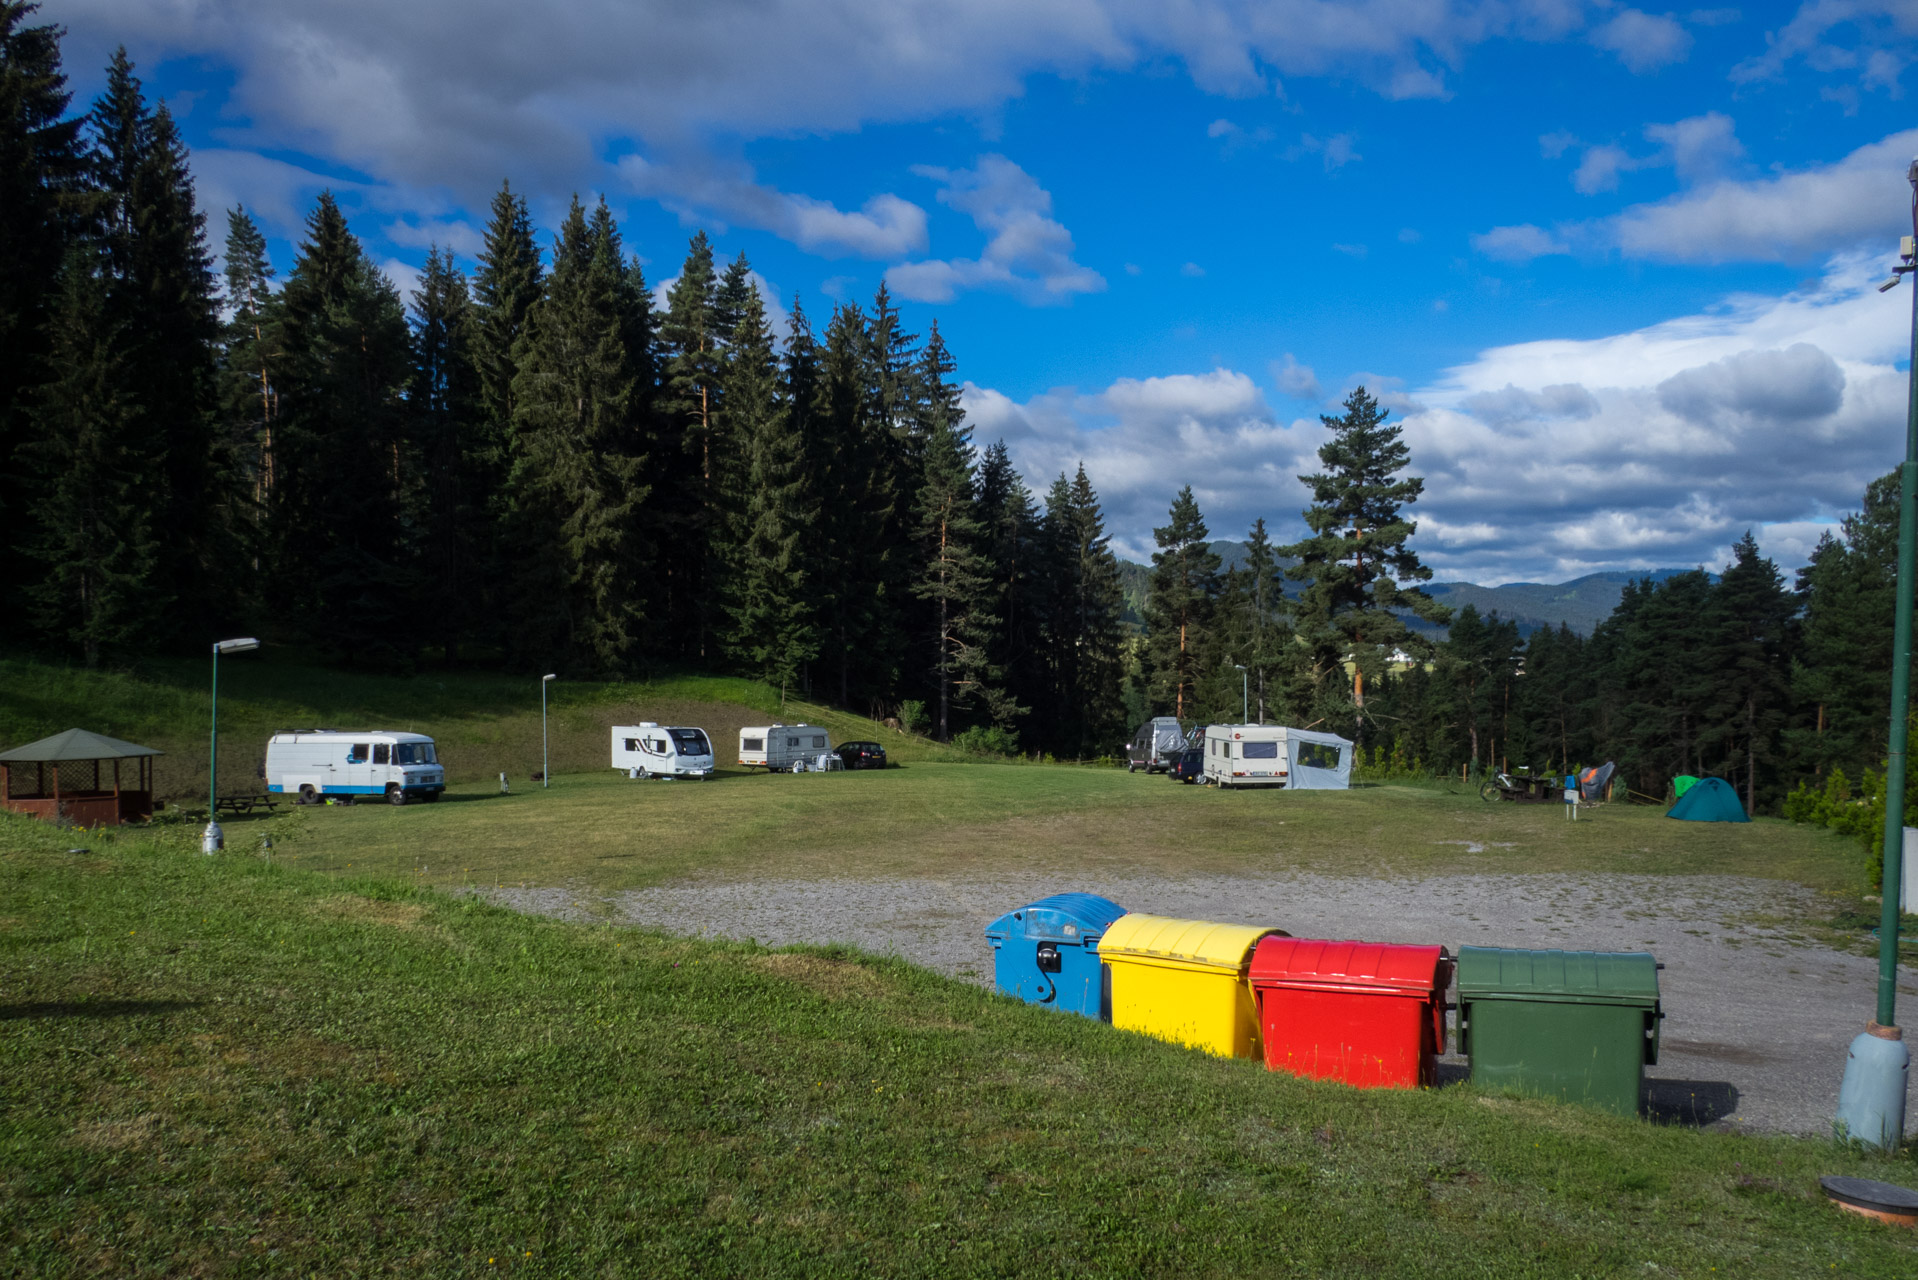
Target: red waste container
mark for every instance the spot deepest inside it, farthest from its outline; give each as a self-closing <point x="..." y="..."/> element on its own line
<point x="1370" y="1014"/>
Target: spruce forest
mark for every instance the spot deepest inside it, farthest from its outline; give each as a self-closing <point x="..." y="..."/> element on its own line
<point x="535" y="465"/>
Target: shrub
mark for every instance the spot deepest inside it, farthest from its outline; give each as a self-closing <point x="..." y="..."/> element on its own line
<point x="988" y="741"/>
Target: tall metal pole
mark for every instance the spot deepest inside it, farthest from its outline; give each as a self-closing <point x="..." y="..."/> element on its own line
<point x="1900" y="673"/>
<point x="212" y="840"/>
<point x="545" y="760"/>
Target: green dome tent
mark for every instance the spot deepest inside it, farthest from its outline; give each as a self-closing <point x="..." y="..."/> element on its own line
<point x="1709" y="800"/>
<point x="1681" y="784"/>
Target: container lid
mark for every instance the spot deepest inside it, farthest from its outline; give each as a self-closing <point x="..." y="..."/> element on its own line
<point x="1378" y="967"/>
<point x="1595" y="977"/>
<point x="1064" y="917"/>
<point x="1880" y="1197"/>
<point x="1198" y="943"/>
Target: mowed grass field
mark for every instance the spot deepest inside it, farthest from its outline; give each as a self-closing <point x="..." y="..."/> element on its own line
<point x="600" y="830"/>
<point x="230" y="1066"/>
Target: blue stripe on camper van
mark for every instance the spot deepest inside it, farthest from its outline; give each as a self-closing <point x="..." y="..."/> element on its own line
<point x="341" y="789"/>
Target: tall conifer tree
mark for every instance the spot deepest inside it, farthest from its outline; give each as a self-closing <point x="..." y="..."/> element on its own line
<point x="577" y="482"/>
<point x="247" y="397"/>
<point x="1358" y="557"/>
<point x="1085" y="636"/>
<point x="453" y="451"/>
<point x="1179" y="605"/>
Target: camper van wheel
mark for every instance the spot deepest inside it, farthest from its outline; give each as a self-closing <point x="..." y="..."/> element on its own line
<point x="307" y="796"/>
<point x="394" y="795"/>
<point x="1131" y="768"/>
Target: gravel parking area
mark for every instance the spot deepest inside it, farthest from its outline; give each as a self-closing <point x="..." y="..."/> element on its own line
<point x="1757" y="1022"/>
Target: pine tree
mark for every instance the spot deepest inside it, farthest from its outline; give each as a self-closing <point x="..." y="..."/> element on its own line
<point x="577" y="485"/>
<point x="160" y="292"/>
<point x="1358" y="556"/>
<point x="1085" y="637"/>
<point x="507" y="282"/>
<point x="1184" y="589"/>
<point x="1751" y="695"/>
<point x="248" y="402"/>
<point x="1014" y="543"/>
<point x="454" y="456"/>
<point x="953" y="580"/>
<point x="343" y="564"/>
<point x="691" y="340"/>
<point x="768" y="594"/>
<point x="95" y="537"/>
<point x="1479" y="660"/>
<point x="43" y="203"/>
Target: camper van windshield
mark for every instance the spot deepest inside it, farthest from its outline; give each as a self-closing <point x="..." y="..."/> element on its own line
<point x="691" y="742"/>
<point x="413" y="753"/>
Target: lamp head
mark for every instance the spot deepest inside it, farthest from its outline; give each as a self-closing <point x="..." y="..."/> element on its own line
<point x="546" y="679"/>
<point x="235" y="646"/>
<point x="1911" y="174"/>
<point x="1888" y="285"/>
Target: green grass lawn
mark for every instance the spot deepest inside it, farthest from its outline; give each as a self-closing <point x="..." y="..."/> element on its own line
<point x="600" y="830"/>
<point x="484" y="724"/>
<point x="220" y="1066"/>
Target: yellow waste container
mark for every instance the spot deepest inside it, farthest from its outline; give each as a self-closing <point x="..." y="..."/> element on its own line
<point x="1184" y="981"/>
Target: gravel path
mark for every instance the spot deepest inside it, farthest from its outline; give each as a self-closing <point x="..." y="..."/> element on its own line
<point x="1757" y="1023"/>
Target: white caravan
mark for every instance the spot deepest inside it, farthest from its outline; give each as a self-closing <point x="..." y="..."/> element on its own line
<point x="1265" y="755"/>
<point x="787" y="748"/>
<point x="315" y="763"/>
<point x="649" y="750"/>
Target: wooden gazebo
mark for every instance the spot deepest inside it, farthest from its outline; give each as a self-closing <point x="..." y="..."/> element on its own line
<point x="60" y="777"/>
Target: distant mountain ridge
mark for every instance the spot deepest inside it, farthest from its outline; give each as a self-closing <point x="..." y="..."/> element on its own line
<point x="1580" y="604"/>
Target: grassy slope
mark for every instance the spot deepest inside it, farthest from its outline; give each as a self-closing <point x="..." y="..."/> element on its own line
<point x="222" y="1066"/>
<point x="948" y="820"/>
<point x="485" y="724"/>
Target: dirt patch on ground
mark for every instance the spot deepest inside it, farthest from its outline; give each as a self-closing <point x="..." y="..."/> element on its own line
<point x="399" y="915"/>
<point x="834" y="979"/>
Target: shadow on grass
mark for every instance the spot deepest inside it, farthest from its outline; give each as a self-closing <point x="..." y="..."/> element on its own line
<point x="91" y="1008"/>
<point x="1690" y="1104"/>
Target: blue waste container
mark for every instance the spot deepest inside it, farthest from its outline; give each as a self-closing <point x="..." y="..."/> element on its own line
<point x="1047" y="952"/>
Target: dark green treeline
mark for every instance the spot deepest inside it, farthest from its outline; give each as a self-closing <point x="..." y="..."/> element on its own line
<point x="536" y="467"/>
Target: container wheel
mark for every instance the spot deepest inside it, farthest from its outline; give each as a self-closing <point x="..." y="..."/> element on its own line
<point x="394" y="795"/>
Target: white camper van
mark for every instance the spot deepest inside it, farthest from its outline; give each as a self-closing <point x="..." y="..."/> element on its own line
<point x="1268" y="755"/>
<point x="650" y="750"/>
<point x="315" y="763"/>
<point x="788" y="748"/>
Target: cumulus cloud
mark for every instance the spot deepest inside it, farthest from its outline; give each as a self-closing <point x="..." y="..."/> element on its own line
<point x="1028" y="253"/>
<point x="1544" y="460"/>
<point x="886" y="227"/>
<point x="1644" y="42"/>
<point x="1142" y="438"/>
<point x="1789" y="216"/>
<point x="1880" y="31"/>
<point x="451" y="96"/>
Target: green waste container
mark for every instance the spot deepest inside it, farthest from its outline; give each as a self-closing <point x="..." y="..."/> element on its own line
<point x="1580" y="1025"/>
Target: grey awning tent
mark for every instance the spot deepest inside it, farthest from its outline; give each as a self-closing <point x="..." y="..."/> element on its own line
<point x="1709" y="800"/>
<point x="76" y="744"/>
<point x="1319" y="761"/>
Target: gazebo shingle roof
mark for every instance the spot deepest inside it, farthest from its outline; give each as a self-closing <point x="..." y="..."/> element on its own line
<point x="75" y="744"/>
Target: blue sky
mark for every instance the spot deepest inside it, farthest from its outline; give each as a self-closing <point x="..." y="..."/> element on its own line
<point x="1614" y="268"/>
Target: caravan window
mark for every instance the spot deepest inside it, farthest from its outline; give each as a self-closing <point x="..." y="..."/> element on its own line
<point x="752" y="744"/>
<point x="1261" y="751"/>
<point x="691" y="742"/>
<point x="656" y="745"/>
<point x="632" y="744"/>
<point x="819" y="741"/>
<point x="1318" y="755"/>
<point x="413" y="753"/>
<point x="382" y="753"/>
<point x="356" y="754"/>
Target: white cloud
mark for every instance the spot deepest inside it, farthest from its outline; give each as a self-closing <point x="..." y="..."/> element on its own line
<point x="1600" y="168"/>
<point x="1028" y="253"/>
<point x="886" y="227"/>
<point x="1872" y="24"/>
<point x="1789" y="216"/>
<point x="453" y="95"/>
<point x="1141" y="439"/>
<point x="405" y="277"/>
<point x="1644" y="42"/>
<point x="1192" y="269"/>
<point x="277" y="194"/>
<point x="1295" y="379"/>
<point x="460" y="236"/>
<point x="1336" y="151"/>
<point x="1544" y="460"/>
<point x="1518" y="244"/>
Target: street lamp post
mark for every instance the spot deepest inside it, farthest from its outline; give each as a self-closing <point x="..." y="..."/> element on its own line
<point x="212" y="840"/>
<point x="545" y="759"/>
<point x="1245" y="695"/>
<point x="1871" y="1101"/>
